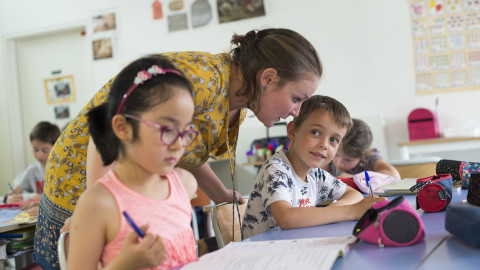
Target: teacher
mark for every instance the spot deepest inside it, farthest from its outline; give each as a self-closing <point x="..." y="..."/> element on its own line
<point x="270" y="71"/>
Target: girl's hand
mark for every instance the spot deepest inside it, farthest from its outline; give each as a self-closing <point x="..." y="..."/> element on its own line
<point x="14" y="198"/>
<point x="362" y="206"/>
<point x="147" y="252"/>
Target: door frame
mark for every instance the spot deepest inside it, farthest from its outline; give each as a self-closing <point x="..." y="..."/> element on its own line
<point x="13" y="95"/>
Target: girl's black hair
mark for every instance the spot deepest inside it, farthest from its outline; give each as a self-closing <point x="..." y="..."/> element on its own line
<point x="152" y="92"/>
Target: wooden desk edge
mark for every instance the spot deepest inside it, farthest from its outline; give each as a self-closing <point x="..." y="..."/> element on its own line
<point x="438" y="140"/>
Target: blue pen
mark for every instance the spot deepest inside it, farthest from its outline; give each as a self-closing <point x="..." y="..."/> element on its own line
<point x="134" y="226"/>
<point x="367" y="178"/>
<point x="11" y="188"/>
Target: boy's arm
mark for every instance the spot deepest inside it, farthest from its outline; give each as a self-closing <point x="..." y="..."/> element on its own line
<point x="384" y="167"/>
<point x="350" y="196"/>
<point x="288" y="217"/>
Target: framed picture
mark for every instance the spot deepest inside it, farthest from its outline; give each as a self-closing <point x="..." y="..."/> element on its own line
<point x="102" y="48"/>
<point x="233" y="10"/>
<point x="60" y="89"/>
<point x="104" y="22"/>
<point x="61" y="112"/>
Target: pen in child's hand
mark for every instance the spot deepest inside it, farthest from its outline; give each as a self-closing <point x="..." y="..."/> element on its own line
<point x="134" y="226"/>
<point x="11" y="188"/>
<point x="367" y="178"/>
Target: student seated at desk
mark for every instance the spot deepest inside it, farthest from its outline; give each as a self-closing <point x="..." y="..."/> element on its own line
<point x="355" y="156"/>
<point x="142" y="131"/>
<point x="29" y="185"/>
<point x="291" y="183"/>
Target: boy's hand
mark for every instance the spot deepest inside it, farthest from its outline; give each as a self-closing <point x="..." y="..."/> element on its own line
<point x="147" y="252"/>
<point x="14" y="198"/>
<point x="362" y="206"/>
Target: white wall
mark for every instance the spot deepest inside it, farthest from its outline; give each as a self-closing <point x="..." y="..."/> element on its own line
<point x="365" y="47"/>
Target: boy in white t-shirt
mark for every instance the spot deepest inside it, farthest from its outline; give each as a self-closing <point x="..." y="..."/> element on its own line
<point x="291" y="184"/>
<point x="29" y="184"/>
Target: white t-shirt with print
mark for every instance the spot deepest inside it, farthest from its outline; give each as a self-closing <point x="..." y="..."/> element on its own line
<point x="31" y="180"/>
<point x="277" y="181"/>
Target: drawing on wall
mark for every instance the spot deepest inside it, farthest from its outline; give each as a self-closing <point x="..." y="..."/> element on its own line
<point x="201" y="13"/>
<point x="175" y="5"/>
<point x="157" y="10"/>
<point x="61" y="112"/>
<point x="102" y="48"/>
<point x="446" y="45"/>
<point x="177" y="22"/>
<point x="232" y="10"/>
<point x="60" y="89"/>
<point x="104" y="22"/>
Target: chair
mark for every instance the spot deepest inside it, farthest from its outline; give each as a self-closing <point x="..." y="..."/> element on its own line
<point x="222" y="223"/>
<point x="62" y="250"/>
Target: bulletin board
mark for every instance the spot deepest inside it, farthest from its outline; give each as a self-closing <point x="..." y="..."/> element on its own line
<point x="446" y="45"/>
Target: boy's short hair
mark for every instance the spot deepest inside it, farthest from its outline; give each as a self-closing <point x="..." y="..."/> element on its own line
<point x="45" y="132"/>
<point x="324" y="103"/>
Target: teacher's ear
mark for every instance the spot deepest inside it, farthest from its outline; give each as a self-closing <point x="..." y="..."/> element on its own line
<point x="267" y="76"/>
<point x="121" y="128"/>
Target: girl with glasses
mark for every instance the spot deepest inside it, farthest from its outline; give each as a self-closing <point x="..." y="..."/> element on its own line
<point x="142" y="130"/>
<point x="270" y="72"/>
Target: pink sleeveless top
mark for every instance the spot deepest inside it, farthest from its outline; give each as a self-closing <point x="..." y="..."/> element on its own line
<point x="169" y="218"/>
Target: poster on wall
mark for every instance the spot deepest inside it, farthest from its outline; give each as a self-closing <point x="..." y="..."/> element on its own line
<point x="233" y="10"/>
<point x="104" y="27"/>
<point x="60" y="89"/>
<point x="177" y="22"/>
<point x="102" y="48"/>
<point x="446" y="45"/>
<point x="61" y="112"/>
<point x="104" y="22"/>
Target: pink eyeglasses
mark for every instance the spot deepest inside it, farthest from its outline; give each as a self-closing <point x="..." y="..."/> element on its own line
<point x="169" y="134"/>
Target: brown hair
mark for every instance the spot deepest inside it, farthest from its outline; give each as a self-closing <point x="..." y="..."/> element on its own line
<point x="45" y="132"/>
<point x="328" y="104"/>
<point x="358" y="140"/>
<point x="293" y="56"/>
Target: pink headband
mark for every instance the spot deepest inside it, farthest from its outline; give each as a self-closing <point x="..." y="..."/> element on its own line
<point x="143" y="76"/>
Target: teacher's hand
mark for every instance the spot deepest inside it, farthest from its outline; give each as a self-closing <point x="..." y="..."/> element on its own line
<point x="228" y="197"/>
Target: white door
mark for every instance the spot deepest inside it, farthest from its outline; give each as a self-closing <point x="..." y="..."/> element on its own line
<point x="39" y="56"/>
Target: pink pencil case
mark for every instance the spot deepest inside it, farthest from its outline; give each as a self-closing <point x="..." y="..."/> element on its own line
<point x="390" y="223"/>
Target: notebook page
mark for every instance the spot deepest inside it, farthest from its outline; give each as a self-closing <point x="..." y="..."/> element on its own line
<point x="310" y="253"/>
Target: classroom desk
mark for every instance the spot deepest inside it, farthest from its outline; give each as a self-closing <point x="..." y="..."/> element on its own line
<point x="23" y="258"/>
<point x="436" y="249"/>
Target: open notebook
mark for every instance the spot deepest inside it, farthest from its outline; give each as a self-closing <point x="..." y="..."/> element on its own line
<point x="309" y="253"/>
<point x="398" y="188"/>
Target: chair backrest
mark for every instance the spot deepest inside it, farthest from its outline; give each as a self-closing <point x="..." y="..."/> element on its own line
<point x="222" y="222"/>
<point x="62" y="250"/>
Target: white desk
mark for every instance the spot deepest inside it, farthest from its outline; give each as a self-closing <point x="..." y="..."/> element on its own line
<point x="438" y="145"/>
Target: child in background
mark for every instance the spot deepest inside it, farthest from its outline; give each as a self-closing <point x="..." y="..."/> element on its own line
<point x="144" y="128"/>
<point x="355" y="156"/>
<point x="292" y="183"/>
<point x="29" y="185"/>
